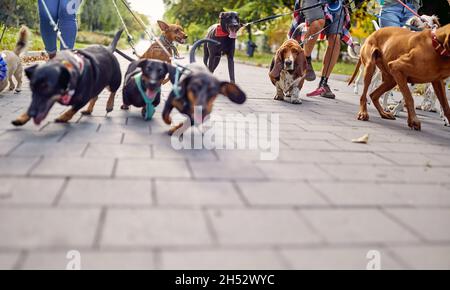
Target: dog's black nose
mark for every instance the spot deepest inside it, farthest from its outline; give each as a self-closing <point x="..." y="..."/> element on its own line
<point x="288" y="62"/>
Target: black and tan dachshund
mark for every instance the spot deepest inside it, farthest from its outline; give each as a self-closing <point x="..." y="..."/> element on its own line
<point x="142" y="85"/>
<point x="198" y="89"/>
<point x="225" y="33"/>
<point x="73" y="79"/>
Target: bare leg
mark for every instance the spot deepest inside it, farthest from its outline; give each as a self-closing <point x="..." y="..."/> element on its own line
<point x="331" y="55"/>
<point x="315" y="27"/>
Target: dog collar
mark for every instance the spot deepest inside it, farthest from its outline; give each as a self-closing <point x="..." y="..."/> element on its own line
<point x="3" y="68"/>
<point x="75" y="66"/>
<point x="149" y="107"/>
<point x="440" y="49"/>
<point x="220" y="32"/>
<point x="169" y="45"/>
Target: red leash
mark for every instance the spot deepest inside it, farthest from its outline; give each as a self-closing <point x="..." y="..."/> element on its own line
<point x="407" y="7"/>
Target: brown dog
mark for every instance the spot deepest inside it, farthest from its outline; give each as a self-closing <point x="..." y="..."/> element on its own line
<point x="288" y="71"/>
<point x="170" y="33"/>
<point x="405" y="57"/>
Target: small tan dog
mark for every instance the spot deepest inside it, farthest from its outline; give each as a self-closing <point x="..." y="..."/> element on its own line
<point x="14" y="64"/>
<point x="170" y="33"/>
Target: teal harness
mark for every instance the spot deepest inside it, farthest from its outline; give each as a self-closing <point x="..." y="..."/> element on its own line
<point x="149" y="107"/>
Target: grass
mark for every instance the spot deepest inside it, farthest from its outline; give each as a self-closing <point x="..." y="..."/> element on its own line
<point x="84" y="38"/>
<point x="264" y="59"/>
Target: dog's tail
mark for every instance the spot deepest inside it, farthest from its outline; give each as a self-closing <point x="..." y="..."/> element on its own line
<point x="112" y="47"/>
<point x="358" y="66"/>
<point x="197" y="45"/>
<point x="22" y="41"/>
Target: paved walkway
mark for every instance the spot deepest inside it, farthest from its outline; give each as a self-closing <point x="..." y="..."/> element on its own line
<point x="113" y="189"/>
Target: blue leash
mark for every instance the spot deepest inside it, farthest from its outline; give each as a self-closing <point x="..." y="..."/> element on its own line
<point x="3" y="69"/>
<point x="149" y="107"/>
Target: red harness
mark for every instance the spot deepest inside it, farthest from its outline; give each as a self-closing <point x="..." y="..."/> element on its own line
<point x="220" y="32"/>
<point x="440" y="49"/>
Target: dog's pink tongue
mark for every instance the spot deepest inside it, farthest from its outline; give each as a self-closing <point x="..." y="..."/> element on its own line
<point x="233" y="34"/>
<point x="151" y="94"/>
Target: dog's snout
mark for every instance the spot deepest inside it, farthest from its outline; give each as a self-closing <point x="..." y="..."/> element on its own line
<point x="288" y="62"/>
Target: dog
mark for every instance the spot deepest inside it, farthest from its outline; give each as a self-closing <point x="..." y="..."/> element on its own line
<point x="197" y="91"/>
<point x="72" y="79"/>
<point x="226" y="33"/>
<point x="288" y="71"/>
<point x="170" y="33"/>
<point x="13" y="64"/>
<point x="398" y="53"/>
<point x="142" y="85"/>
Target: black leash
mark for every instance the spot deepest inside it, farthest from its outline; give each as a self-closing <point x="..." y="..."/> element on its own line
<point x="129" y="36"/>
<point x="283" y="14"/>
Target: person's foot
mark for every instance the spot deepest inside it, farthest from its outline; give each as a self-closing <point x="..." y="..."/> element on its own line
<point x="310" y="73"/>
<point x="324" y="91"/>
<point x="327" y="93"/>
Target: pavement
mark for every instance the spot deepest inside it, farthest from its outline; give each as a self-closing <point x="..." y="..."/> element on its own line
<point x="113" y="189"/>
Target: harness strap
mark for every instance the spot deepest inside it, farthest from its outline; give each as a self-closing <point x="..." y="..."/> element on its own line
<point x="440" y="49"/>
<point x="149" y="107"/>
<point x="170" y="46"/>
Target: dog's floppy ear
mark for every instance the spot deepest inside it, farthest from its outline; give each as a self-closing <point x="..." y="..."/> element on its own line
<point x="221" y="15"/>
<point x="29" y="71"/>
<point x="300" y="63"/>
<point x="276" y="66"/>
<point x="141" y="63"/>
<point x="163" y="26"/>
<point x="172" y="71"/>
<point x="233" y="92"/>
<point x="436" y="21"/>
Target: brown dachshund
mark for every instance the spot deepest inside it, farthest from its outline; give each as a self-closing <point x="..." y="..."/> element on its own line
<point x="170" y="33"/>
<point x="288" y="71"/>
<point x="405" y="57"/>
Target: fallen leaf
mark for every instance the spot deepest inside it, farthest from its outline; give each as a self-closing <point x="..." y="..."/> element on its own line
<point x="363" y="140"/>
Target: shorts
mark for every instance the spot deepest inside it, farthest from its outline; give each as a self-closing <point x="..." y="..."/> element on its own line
<point x="311" y="15"/>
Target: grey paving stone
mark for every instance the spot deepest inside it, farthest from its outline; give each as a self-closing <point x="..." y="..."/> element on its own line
<point x="118" y="151"/>
<point x="8" y="260"/>
<point x="337" y="258"/>
<point x="155" y="227"/>
<point x="6" y="147"/>
<point x="214" y="169"/>
<point x="425" y="257"/>
<point x="309" y="144"/>
<point x="100" y="260"/>
<point x="29" y="149"/>
<point x="261" y="227"/>
<point x="29" y="191"/>
<point x="152" y="168"/>
<point x="356" y="226"/>
<point x="375" y="194"/>
<point x="39" y="227"/>
<point x="288" y="171"/>
<point x="432" y="224"/>
<point x="93" y="137"/>
<point x="280" y="193"/>
<point x="196" y="193"/>
<point x="107" y="192"/>
<point x="16" y="165"/>
<point x="364" y="158"/>
<point x="221" y="260"/>
<point x="74" y="167"/>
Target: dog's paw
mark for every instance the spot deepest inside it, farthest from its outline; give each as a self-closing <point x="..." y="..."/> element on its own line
<point x="109" y="110"/>
<point x="86" y="113"/>
<point x="415" y="124"/>
<point x="296" y="101"/>
<point x="363" y="116"/>
<point x="18" y="91"/>
<point x="125" y="107"/>
<point x="278" y="98"/>
<point x="388" y="116"/>
<point x="18" y="123"/>
<point x="61" y="121"/>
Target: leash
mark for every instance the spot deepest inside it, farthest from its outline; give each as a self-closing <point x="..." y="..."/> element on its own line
<point x="130" y="39"/>
<point x="407" y="7"/>
<point x="54" y="25"/>
<point x="149" y="107"/>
